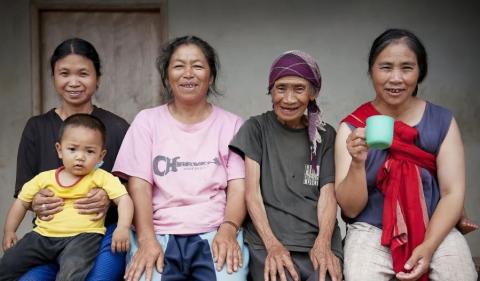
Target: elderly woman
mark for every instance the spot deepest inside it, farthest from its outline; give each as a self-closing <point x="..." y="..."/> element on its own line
<point x="186" y="185"/>
<point x="292" y="232"/>
<point x="402" y="203"/>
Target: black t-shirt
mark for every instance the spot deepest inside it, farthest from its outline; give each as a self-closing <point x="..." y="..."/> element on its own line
<point x="36" y="152"/>
<point x="289" y="185"/>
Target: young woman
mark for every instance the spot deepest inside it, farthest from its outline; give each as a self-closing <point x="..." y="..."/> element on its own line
<point x="75" y="67"/>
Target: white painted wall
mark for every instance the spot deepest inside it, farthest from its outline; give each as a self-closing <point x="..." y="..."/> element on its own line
<point x="248" y="35"/>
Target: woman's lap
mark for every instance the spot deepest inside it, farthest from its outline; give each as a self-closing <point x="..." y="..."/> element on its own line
<point x="366" y="259"/>
<point x="203" y="262"/>
<point x="453" y="260"/>
<point x="301" y="261"/>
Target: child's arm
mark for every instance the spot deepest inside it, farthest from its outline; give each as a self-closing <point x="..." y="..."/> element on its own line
<point x="14" y="218"/>
<point x="121" y="239"/>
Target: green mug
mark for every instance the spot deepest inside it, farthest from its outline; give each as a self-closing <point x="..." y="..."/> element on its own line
<point x="379" y="131"/>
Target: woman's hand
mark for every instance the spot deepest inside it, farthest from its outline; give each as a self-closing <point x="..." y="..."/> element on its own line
<point x="96" y="202"/>
<point x="226" y="249"/>
<point x="418" y="263"/>
<point x="149" y="253"/>
<point x="45" y="204"/>
<point x="323" y="259"/>
<point x="277" y="258"/>
<point x="357" y="145"/>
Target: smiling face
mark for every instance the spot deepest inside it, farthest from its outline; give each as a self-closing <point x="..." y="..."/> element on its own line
<point x="80" y="149"/>
<point x="75" y="79"/>
<point x="189" y="74"/>
<point x="290" y="97"/>
<point x="395" y="74"/>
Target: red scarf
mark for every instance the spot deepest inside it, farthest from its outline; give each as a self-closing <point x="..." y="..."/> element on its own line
<point x="405" y="217"/>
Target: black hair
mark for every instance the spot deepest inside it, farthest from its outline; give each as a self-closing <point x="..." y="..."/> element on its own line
<point x="76" y="46"/>
<point x="391" y="36"/>
<point x="83" y="120"/>
<point x="163" y="61"/>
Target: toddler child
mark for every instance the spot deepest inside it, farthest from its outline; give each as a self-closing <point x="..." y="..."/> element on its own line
<point x="70" y="239"/>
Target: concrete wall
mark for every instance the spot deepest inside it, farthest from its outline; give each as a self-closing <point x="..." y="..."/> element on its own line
<point x="15" y="93"/>
<point x="248" y="35"/>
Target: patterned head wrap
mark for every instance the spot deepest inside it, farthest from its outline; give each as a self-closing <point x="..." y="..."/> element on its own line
<point x="301" y="64"/>
<point x="295" y="63"/>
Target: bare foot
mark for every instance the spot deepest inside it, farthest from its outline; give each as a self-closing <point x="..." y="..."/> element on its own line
<point x="465" y="225"/>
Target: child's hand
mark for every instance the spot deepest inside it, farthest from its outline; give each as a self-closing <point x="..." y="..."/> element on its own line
<point x="120" y="240"/>
<point x="9" y="239"/>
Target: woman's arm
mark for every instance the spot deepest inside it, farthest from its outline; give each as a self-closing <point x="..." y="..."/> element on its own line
<point x="278" y="256"/>
<point x="225" y="247"/>
<point x="451" y="179"/>
<point x="350" y="176"/>
<point x="149" y="250"/>
<point x="321" y="253"/>
<point x="235" y="209"/>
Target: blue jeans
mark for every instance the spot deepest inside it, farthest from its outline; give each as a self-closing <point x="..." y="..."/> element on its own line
<point x="108" y="266"/>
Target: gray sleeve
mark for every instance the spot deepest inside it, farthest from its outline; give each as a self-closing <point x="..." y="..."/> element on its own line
<point x="327" y="160"/>
<point x="248" y="141"/>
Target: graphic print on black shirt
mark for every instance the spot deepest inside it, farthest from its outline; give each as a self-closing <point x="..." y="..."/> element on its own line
<point x="310" y="176"/>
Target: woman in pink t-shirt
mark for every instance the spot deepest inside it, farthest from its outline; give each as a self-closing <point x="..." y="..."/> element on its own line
<point x="187" y="186"/>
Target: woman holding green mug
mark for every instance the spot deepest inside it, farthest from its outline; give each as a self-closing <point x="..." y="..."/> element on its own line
<point x="401" y="204"/>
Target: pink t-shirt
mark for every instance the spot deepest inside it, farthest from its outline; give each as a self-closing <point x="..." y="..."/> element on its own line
<point x="188" y="166"/>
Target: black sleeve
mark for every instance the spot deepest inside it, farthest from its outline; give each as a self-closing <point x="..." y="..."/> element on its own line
<point x="121" y="127"/>
<point x="327" y="157"/>
<point x="116" y="129"/>
<point x="27" y="156"/>
<point x="248" y="140"/>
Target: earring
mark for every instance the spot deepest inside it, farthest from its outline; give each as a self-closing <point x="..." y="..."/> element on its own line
<point x="98" y="165"/>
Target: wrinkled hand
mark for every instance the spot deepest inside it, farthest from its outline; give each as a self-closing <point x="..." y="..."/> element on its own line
<point x="226" y="249"/>
<point x="149" y="254"/>
<point x="325" y="261"/>
<point x="357" y="145"/>
<point x="45" y="204"/>
<point x="9" y="239"/>
<point x="120" y="240"/>
<point x="277" y="258"/>
<point x="96" y="202"/>
<point x="418" y="263"/>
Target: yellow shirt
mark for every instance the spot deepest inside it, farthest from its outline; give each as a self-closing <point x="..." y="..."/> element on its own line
<point x="69" y="222"/>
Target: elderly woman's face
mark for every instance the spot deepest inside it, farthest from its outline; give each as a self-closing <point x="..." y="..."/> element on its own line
<point x="189" y="74"/>
<point x="290" y="97"/>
